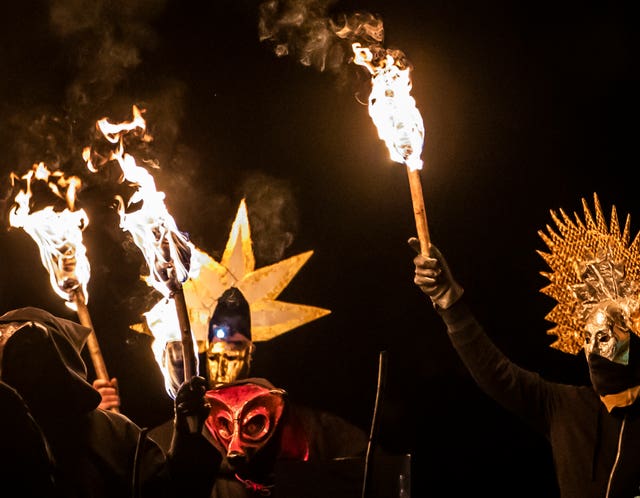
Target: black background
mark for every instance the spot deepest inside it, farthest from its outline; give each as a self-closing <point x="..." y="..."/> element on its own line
<point x="528" y="107"/>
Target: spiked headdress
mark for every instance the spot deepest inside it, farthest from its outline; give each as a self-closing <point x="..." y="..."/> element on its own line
<point x="591" y="264"/>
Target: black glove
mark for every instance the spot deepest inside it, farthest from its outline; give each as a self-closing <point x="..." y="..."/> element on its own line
<point x="191" y="407"/>
<point x="434" y="277"/>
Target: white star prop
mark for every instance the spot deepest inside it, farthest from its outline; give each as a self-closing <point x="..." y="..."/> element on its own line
<point x="208" y="279"/>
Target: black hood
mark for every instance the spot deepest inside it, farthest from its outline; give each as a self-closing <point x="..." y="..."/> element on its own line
<point x="46" y="347"/>
<point x="233" y="313"/>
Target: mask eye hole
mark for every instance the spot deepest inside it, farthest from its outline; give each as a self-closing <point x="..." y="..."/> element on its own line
<point x="255" y="427"/>
<point x="225" y="426"/>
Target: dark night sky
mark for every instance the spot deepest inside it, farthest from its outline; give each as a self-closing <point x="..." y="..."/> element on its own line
<point x="527" y="107"/>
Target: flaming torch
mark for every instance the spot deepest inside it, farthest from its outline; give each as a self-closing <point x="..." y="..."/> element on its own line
<point x="166" y="250"/>
<point x="398" y="120"/>
<point x="58" y="235"/>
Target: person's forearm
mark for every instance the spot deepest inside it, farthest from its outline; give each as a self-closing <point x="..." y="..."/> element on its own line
<point x="513" y="387"/>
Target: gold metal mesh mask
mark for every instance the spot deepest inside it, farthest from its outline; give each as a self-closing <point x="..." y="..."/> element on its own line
<point x="591" y="262"/>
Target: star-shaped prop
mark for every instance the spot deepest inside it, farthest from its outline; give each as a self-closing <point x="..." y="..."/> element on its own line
<point x="208" y="279"/>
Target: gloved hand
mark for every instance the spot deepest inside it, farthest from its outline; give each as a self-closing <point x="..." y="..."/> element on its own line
<point x="433" y="276"/>
<point x="193" y="462"/>
<point x="191" y="407"/>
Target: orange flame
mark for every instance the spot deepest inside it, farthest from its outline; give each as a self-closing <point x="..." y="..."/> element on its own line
<point x="392" y="107"/>
<point x="58" y="234"/>
<point x="165" y="249"/>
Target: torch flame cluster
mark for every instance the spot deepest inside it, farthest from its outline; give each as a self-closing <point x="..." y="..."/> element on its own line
<point x="171" y="258"/>
<point x="58" y="234"/>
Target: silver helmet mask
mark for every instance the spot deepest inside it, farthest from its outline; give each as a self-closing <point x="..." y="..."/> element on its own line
<point x="612" y="350"/>
<point x="608" y="333"/>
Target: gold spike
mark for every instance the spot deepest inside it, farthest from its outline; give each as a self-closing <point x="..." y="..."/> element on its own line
<point x="626" y="234"/>
<point x="545" y="239"/>
<point x="567" y="220"/>
<point x="579" y="223"/>
<point x="602" y="224"/>
<point x="563" y="227"/>
<point x="590" y="224"/>
<point x="634" y="248"/>
<point x="614" y="225"/>
<point x="547" y="291"/>
<point x="555" y="236"/>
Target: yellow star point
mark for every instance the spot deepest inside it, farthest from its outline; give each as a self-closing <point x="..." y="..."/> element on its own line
<point x="269" y="317"/>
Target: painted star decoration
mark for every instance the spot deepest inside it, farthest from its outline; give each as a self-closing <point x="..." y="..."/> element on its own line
<point x="208" y="279"/>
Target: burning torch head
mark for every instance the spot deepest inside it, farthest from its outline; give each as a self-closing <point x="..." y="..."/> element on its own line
<point x="229" y="349"/>
<point x="64" y="266"/>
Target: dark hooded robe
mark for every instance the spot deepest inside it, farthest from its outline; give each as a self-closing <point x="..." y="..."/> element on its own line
<point x="596" y="451"/>
<point x="295" y="434"/>
<point x="77" y="449"/>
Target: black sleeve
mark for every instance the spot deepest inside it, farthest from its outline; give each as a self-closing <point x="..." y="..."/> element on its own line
<point x="520" y="391"/>
<point x="193" y="465"/>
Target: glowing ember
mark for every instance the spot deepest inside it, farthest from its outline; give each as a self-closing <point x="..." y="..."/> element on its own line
<point x="58" y="234"/>
<point x="392" y="107"/>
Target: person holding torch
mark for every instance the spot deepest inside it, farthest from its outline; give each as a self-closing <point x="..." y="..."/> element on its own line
<point x="593" y="430"/>
<point x="252" y="423"/>
<point x="79" y="450"/>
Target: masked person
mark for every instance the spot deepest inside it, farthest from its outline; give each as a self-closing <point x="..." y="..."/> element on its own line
<point x="229" y="346"/>
<point x="594" y="431"/>
<point x="79" y="450"/>
<point x="253" y="424"/>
